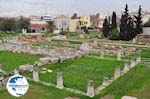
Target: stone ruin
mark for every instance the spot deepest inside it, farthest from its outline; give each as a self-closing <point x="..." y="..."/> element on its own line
<point x="90" y="89"/>
<point x="30" y="38"/>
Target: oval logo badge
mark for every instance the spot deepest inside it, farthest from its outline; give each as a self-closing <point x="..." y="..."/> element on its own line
<point x="17" y="85"/>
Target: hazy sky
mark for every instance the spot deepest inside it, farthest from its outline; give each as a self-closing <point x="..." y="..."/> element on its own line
<point x="67" y="7"/>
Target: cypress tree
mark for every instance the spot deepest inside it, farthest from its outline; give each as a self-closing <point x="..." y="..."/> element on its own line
<point x="124" y="25"/>
<point x="138" y="22"/>
<point x="114" y="21"/>
<point x="106" y="28"/>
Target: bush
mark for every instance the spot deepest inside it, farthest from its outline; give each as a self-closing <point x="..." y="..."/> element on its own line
<point x="114" y="34"/>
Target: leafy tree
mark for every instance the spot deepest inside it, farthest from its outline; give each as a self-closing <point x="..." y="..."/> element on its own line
<point x="23" y="23"/>
<point x="8" y="25"/>
<point x="51" y="26"/>
<point x="138" y="27"/>
<point x="106" y="28"/>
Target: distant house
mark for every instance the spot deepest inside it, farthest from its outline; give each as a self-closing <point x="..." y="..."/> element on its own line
<point x="85" y="21"/>
<point x="47" y="18"/>
<point x="73" y="25"/>
<point x="99" y="23"/>
<point x="145" y="36"/>
<point x="38" y="26"/>
<point x="62" y="23"/>
<point x="145" y="17"/>
<point x="35" y="18"/>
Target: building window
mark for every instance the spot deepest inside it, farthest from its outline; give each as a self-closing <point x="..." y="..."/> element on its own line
<point x="43" y="29"/>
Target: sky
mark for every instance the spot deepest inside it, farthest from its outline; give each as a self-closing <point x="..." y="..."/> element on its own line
<point x="68" y="7"/>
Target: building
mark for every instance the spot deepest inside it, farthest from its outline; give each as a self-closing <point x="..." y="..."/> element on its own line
<point x="145" y="17"/>
<point x="85" y="21"/>
<point x="47" y="18"/>
<point x="145" y="36"/>
<point x="62" y="23"/>
<point x="102" y="15"/>
<point x="38" y="26"/>
<point x="100" y="20"/>
<point x="73" y="25"/>
<point x="99" y="23"/>
<point x="35" y="18"/>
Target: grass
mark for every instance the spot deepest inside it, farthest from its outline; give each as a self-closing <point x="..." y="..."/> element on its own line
<point x="78" y="72"/>
<point x="145" y="53"/>
<point x="39" y="91"/>
<point x="135" y="83"/>
<point x="11" y="60"/>
<point x="6" y="34"/>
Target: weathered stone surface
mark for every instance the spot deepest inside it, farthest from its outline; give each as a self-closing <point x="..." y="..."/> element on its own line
<point x="49" y="71"/>
<point x="119" y="55"/>
<point x="60" y="81"/>
<point x="117" y="72"/>
<point x="102" y="54"/>
<point x="138" y="60"/>
<point x="36" y="73"/>
<point x="133" y="63"/>
<point x="126" y="67"/>
<point x="105" y="81"/>
<point x="16" y="71"/>
<point x="26" y="67"/>
<point x="90" y="89"/>
<point x="43" y="72"/>
<point x="128" y="97"/>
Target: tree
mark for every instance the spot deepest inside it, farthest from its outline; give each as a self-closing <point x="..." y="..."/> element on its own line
<point x="114" y="34"/>
<point x="138" y="22"/>
<point x="51" y="26"/>
<point x="106" y="28"/>
<point x="8" y="25"/>
<point x="130" y="29"/>
<point x="23" y="23"/>
<point x="74" y="16"/>
<point x="85" y="29"/>
<point x="114" y="21"/>
<point x="124" y="25"/>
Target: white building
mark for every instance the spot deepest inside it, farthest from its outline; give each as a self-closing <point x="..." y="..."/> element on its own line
<point x="62" y="23"/>
<point x="146" y="17"/>
<point x="47" y="18"/>
<point x="35" y="18"/>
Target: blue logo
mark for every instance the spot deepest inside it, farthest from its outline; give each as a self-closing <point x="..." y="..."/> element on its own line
<point x="17" y="85"/>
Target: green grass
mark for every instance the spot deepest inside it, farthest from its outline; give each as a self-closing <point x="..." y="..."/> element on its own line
<point x="39" y="91"/>
<point x="11" y="60"/>
<point x="5" y="34"/>
<point x="78" y="72"/>
<point x="135" y="83"/>
<point x="145" y="53"/>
